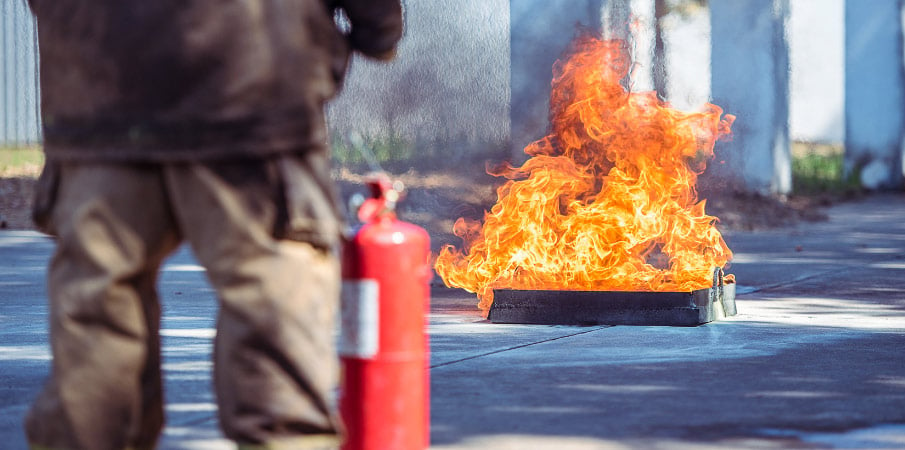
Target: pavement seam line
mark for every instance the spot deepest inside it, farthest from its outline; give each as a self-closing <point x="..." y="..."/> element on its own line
<point x="519" y="346"/>
<point x="809" y="277"/>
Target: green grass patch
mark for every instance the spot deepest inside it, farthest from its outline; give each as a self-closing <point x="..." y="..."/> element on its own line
<point x="396" y="153"/>
<point x="21" y="161"/>
<point x="369" y="152"/>
<point x="819" y="169"/>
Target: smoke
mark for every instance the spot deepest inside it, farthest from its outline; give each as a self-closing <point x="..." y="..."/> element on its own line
<point x="448" y="86"/>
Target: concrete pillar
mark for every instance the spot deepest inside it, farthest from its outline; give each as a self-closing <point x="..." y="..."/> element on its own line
<point x="617" y="19"/>
<point x="874" y="92"/>
<point x="540" y="30"/>
<point x="20" y="122"/>
<point x="643" y="40"/>
<point x="750" y="79"/>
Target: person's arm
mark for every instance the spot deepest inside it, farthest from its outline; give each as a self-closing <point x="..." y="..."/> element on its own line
<point x="376" y="26"/>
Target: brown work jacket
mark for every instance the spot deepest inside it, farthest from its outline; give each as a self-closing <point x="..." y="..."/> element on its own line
<point x="188" y="80"/>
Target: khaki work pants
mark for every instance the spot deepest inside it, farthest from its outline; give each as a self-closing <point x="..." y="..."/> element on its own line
<point x="266" y="232"/>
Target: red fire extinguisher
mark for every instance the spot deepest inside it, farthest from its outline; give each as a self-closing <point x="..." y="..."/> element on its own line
<point x="384" y="394"/>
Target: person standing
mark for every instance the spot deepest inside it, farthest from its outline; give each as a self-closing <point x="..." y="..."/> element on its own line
<point x="200" y="121"/>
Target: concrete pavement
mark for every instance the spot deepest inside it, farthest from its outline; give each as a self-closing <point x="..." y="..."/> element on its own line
<point x="815" y="358"/>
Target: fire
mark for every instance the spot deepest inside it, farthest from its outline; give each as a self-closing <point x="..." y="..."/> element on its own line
<point x="607" y="200"/>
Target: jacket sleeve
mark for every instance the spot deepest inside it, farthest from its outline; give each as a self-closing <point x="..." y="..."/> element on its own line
<point x="376" y="26"/>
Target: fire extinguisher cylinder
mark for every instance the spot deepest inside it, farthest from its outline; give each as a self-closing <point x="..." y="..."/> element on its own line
<point x="384" y="394"/>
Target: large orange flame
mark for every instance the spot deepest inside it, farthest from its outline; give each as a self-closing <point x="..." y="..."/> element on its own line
<point x="607" y="201"/>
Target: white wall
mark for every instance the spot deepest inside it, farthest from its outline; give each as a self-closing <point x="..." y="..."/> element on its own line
<point x="452" y="74"/>
<point x="816" y="38"/>
<point x="817" y="60"/>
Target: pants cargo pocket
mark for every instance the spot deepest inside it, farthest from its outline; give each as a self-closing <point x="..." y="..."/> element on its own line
<point x="45" y="197"/>
<point x="311" y="207"/>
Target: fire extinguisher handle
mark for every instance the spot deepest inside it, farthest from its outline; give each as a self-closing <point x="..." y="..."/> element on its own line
<point x="385" y="195"/>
